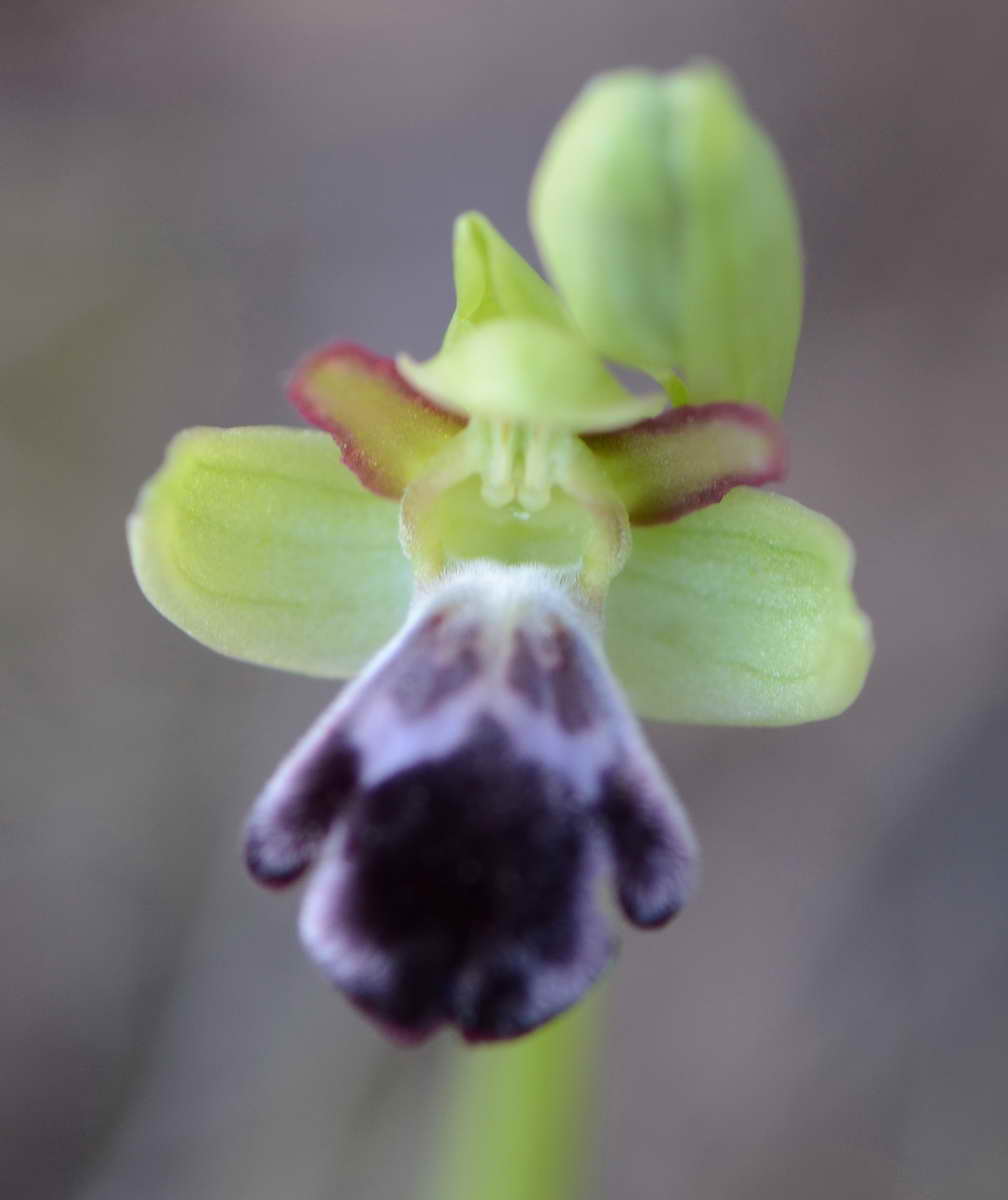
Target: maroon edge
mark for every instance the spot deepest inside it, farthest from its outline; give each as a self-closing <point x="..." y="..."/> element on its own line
<point x="674" y="420"/>
<point x="364" y="467"/>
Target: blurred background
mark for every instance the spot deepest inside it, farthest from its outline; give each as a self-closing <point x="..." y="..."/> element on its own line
<point x="192" y="194"/>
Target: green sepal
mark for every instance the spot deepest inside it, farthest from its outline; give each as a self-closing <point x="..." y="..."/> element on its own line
<point x="521" y="370"/>
<point x="664" y="216"/>
<point x="493" y="280"/>
<point x="262" y="545"/>
<point x="739" y="614"/>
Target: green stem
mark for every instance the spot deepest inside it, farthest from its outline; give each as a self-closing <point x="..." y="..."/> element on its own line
<point x="517" y="1112"/>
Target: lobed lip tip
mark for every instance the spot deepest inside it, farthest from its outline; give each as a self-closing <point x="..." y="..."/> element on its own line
<point x="265" y="873"/>
<point x="657" y="917"/>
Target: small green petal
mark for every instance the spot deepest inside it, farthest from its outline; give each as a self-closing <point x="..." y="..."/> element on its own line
<point x="260" y="544"/>
<point x="664" y="216"/>
<point x="493" y="280"/>
<point x="739" y="614"/>
<point x="689" y="457"/>
<point x="386" y="431"/>
<point x="525" y="371"/>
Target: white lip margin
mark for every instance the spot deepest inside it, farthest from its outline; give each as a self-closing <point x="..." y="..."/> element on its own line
<point x="348" y="962"/>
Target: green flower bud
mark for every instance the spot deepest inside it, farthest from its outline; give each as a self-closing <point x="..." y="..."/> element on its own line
<point x="664" y="216"/>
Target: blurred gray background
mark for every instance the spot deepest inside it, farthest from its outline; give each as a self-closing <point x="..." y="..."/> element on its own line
<point x="193" y="194"/>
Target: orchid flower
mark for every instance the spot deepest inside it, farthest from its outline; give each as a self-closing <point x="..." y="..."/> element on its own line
<point x="510" y="551"/>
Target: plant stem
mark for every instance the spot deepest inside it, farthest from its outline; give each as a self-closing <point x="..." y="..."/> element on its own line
<point x="515" y="1126"/>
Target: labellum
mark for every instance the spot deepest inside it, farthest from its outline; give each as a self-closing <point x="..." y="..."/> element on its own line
<point x="465" y="804"/>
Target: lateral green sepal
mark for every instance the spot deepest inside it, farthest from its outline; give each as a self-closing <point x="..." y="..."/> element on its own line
<point x="259" y="543"/>
<point x="739" y="614"/>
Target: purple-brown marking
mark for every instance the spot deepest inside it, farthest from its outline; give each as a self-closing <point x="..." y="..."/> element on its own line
<point x="440" y="662"/>
<point x="525" y="676"/>
<point x="650" y="863"/>
<point x="470" y="875"/>
<point x="283" y="839"/>
<point x="572" y="684"/>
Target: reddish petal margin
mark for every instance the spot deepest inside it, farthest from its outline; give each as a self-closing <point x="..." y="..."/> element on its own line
<point x="385" y="429"/>
<point x="689" y="457"/>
